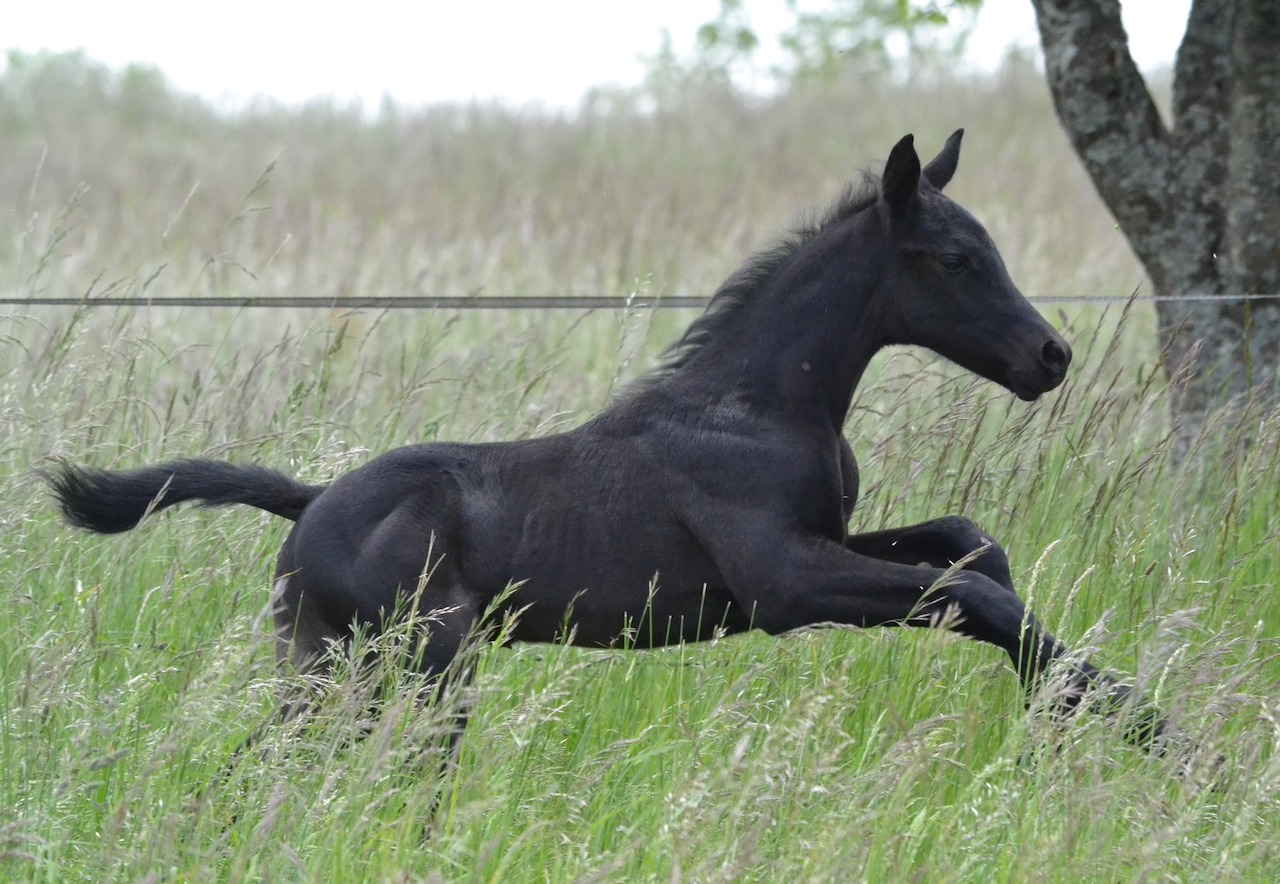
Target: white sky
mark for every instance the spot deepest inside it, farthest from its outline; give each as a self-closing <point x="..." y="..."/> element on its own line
<point x="520" y="51"/>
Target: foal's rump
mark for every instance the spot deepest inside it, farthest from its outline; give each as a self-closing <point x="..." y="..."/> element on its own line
<point x="379" y="533"/>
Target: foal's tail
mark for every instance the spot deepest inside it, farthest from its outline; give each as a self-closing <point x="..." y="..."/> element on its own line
<point x="111" y="501"/>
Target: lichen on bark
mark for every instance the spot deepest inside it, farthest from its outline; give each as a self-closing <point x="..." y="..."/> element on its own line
<point x="1199" y="199"/>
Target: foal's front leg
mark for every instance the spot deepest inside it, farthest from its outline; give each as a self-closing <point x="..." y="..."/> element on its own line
<point x="943" y="542"/>
<point x="939" y="543"/>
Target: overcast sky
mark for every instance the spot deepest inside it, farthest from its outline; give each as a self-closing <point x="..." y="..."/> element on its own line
<point x="548" y="51"/>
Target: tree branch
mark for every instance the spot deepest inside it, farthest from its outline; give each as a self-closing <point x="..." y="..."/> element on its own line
<point x="1252" y="197"/>
<point x="1202" y="73"/>
<point x="1103" y="103"/>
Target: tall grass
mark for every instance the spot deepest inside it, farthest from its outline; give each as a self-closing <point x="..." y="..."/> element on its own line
<point x="132" y="667"/>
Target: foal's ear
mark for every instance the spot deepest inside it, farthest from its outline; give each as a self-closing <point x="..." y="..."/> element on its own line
<point x="901" y="181"/>
<point x="943" y="166"/>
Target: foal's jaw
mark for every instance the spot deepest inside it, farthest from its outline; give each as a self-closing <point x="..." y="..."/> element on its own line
<point x="1023" y="354"/>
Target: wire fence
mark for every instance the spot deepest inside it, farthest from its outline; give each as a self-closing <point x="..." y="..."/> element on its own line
<point x="522" y="302"/>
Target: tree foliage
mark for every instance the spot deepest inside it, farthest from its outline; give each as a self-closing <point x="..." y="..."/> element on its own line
<point x="823" y="39"/>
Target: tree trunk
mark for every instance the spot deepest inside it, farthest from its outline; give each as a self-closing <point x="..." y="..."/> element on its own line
<point x="1198" y="201"/>
<point x="1253" y="186"/>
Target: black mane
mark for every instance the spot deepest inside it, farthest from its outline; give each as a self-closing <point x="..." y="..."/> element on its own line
<point x="752" y="276"/>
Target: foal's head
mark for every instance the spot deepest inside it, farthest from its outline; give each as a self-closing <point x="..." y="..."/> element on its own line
<point x="950" y="291"/>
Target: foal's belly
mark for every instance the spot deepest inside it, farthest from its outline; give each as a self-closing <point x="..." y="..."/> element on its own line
<point x="601" y="582"/>
<point x="654" y="615"/>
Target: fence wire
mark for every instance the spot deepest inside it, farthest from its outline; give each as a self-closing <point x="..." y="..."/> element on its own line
<point x="522" y="302"/>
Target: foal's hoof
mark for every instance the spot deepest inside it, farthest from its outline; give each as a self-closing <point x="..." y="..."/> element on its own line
<point x="1204" y="771"/>
<point x="1136" y="718"/>
<point x="1083" y="688"/>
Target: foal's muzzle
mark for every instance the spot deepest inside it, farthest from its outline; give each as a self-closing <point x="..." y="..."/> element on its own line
<point x="1053" y="358"/>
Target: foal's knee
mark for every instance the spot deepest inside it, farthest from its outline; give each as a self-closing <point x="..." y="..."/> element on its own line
<point x="966" y="538"/>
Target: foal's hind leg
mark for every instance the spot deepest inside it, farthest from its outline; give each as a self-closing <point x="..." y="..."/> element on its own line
<point x="432" y="648"/>
<point x="305" y="645"/>
<point x="442" y="651"/>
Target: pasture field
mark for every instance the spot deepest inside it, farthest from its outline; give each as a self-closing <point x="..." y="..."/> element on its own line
<point x="131" y="667"/>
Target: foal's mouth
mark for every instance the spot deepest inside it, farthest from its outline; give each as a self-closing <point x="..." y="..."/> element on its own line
<point x="1040" y="373"/>
<point x="1031" y="384"/>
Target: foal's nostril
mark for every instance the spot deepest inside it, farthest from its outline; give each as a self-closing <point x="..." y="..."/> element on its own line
<point x="1056" y="356"/>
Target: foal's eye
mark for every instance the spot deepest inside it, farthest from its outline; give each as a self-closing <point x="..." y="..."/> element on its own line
<point x="952" y="263"/>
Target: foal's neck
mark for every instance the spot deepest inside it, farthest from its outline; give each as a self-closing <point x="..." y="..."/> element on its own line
<point x="802" y="344"/>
